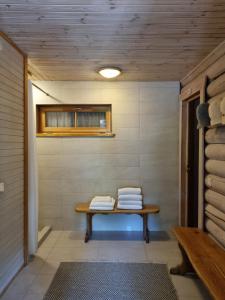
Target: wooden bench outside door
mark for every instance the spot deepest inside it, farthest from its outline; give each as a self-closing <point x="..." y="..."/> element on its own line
<point x="147" y="209"/>
<point x="204" y="256"/>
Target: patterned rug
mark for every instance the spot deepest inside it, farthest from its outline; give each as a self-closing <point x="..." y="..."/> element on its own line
<point x="111" y="281"/>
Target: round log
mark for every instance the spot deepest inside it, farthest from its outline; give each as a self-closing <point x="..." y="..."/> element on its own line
<point x="215" y="212"/>
<point x="215" y="167"/>
<point x="218" y="97"/>
<point x="216" y="231"/>
<point x="217" y="86"/>
<point x="215" y="199"/>
<point x="215" y="183"/>
<point x="222" y="106"/>
<point x="215" y="114"/>
<point x="215" y="151"/>
<point x="215" y="135"/>
<point x="217" y="68"/>
<point x="216" y="220"/>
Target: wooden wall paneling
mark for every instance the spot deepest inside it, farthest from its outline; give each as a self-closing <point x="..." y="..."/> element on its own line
<point x="149" y="40"/>
<point x="9" y="110"/>
<point x="10" y="104"/>
<point x="9" y="90"/>
<point x="9" y="98"/>
<point x="25" y="206"/>
<point x="5" y="72"/>
<point x="11" y="43"/>
<point x="9" y="67"/>
<point x="13" y="159"/>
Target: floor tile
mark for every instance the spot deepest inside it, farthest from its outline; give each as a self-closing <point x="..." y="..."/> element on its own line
<point x="56" y="234"/>
<point x="43" y="252"/>
<point x="68" y="243"/>
<point x="12" y="296"/>
<point x="34" y="280"/>
<point x="20" y="284"/>
<point x="49" y="267"/>
<point x="163" y="252"/>
<point x="189" y="287"/>
<point x="40" y="284"/>
<point x="33" y="296"/>
<point x="34" y="266"/>
<point x="123" y="254"/>
<point x="48" y="243"/>
<point x="85" y="253"/>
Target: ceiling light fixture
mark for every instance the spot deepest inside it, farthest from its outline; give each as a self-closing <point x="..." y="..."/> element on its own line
<point x="109" y="72"/>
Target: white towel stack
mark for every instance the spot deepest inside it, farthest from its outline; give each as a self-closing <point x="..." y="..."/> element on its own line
<point x="102" y="203"/>
<point x="130" y="198"/>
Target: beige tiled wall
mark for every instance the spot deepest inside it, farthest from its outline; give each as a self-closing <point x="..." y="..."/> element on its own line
<point x="144" y="153"/>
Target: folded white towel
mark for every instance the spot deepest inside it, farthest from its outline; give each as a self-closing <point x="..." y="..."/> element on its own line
<point x="130" y="197"/>
<point x="102" y="199"/>
<point x="103" y="206"/>
<point x="121" y="206"/>
<point x="99" y="204"/>
<point x="127" y="202"/>
<point x="129" y="190"/>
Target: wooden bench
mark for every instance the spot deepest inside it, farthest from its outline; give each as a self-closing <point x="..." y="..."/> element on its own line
<point x="204" y="256"/>
<point x="147" y="209"/>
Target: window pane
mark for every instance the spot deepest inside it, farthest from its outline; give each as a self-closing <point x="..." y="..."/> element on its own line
<point x="91" y="119"/>
<point x="59" y="119"/>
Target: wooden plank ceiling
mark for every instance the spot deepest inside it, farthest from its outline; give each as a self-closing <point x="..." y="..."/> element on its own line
<point x="147" y="39"/>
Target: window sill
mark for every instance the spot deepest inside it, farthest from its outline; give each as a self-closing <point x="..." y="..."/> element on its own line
<point x="77" y="134"/>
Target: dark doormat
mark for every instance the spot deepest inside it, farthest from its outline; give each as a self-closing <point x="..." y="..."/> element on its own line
<point x="111" y="281"/>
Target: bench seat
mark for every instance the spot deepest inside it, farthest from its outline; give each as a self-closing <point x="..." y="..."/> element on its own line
<point x="144" y="212"/>
<point x="205" y="256"/>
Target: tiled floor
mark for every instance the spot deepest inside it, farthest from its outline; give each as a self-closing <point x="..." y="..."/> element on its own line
<point x="34" y="280"/>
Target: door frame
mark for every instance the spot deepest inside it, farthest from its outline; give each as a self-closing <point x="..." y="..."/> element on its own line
<point x="25" y="202"/>
<point x="193" y="91"/>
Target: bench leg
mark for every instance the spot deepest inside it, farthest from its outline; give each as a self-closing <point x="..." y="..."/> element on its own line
<point x="184" y="267"/>
<point x="89" y="228"/>
<point x="145" y="228"/>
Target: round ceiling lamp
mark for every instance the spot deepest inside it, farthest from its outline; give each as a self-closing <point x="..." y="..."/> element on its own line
<point x="109" y="72"/>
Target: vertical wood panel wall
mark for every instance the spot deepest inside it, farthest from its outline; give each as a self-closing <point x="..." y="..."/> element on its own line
<point x="12" y="162"/>
<point x="213" y="69"/>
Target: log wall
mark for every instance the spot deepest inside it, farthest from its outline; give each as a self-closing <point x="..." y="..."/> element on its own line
<point x="213" y="70"/>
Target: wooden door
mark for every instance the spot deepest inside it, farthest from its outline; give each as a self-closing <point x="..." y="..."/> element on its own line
<point x="192" y="165"/>
<point x="189" y="163"/>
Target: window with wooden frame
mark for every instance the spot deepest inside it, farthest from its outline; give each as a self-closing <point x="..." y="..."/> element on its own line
<point x="74" y="120"/>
